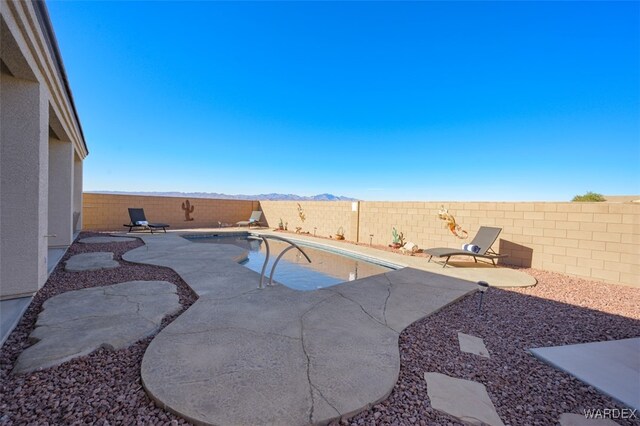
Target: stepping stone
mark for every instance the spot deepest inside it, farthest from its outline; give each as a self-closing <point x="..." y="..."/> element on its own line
<point x="465" y="400"/>
<point x="473" y="345"/>
<point x="77" y="323"/>
<point x="572" y="419"/>
<point x="91" y="262"/>
<point x="103" y="240"/>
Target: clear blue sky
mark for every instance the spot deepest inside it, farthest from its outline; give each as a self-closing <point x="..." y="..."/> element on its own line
<point x="379" y="101"/>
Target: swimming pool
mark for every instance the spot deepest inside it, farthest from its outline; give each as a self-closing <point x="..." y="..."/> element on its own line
<point x="326" y="269"/>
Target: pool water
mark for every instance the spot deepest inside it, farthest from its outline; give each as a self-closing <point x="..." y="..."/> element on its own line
<point x="325" y="270"/>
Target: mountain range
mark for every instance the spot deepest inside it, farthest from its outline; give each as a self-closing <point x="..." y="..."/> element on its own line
<point x="269" y="197"/>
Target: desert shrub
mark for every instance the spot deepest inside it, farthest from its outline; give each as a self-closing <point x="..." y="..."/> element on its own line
<point x="590" y="197"/>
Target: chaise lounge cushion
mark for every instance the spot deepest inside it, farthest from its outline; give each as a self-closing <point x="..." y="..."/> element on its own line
<point x="138" y="219"/>
<point x="484" y="239"/>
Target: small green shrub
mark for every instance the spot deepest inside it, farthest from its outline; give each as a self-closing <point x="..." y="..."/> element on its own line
<point x="589" y="197"/>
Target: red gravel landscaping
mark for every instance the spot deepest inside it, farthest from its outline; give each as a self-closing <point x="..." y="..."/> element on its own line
<point x="104" y="387"/>
<point x="560" y="310"/>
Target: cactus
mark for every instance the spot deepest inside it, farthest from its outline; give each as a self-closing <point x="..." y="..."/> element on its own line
<point x="281" y="225"/>
<point x="398" y="238"/>
<point x="188" y="209"/>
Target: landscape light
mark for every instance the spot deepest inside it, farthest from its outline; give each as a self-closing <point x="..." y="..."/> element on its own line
<point x="483" y="286"/>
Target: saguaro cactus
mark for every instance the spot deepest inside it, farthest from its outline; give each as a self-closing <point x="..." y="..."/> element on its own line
<point x="188" y="209"/>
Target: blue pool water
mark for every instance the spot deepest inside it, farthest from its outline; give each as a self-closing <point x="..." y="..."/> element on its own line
<point x="325" y="270"/>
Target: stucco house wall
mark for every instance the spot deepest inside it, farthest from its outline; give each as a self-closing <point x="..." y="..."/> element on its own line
<point x="42" y="148"/>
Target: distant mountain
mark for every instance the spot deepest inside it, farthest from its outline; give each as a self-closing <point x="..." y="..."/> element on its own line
<point x="270" y="197"/>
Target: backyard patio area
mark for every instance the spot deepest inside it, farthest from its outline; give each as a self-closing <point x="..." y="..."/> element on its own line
<point x="444" y="227"/>
<point x="356" y="353"/>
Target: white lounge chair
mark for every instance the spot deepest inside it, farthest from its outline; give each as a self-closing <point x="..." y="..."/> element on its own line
<point x="253" y="220"/>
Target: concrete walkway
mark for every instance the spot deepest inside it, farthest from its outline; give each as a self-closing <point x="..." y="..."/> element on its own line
<point x="240" y="355"/>
<point x="11" y="312"/>
<point x="612" y="367"/>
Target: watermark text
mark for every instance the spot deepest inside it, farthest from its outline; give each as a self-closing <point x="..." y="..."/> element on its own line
<point x="611" y="413"/>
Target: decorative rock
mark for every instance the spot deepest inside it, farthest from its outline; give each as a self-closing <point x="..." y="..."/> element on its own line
<point x="409" y="248"/>
<point x="473" y="345"/>
<point x="571" y="419"/>
<point x="77" y="323"/>
<point x="91" y="262"/>
<point x="463" y="399"/>
<point x="105" y="240"/>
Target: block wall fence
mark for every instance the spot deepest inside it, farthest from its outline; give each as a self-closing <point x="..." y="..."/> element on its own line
<point x="599" y="241"/>
<point x="326" y="216"/>
<point x="108" y="212"/>
<point x="592" y="240"/>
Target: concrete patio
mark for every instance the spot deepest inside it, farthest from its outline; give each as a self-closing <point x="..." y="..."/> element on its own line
<point x="241" y="355"/>
<point x="608" y="366"/>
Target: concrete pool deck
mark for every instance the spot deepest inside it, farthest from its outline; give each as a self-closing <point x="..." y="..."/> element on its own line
<point x="240" y="355"/>
<point x="463" y="269"/>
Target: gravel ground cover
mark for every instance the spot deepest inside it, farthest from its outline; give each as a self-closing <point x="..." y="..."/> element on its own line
<point x="104" y="387"/>
<point x="101" y="388"/>
<point x="560" y="310"/>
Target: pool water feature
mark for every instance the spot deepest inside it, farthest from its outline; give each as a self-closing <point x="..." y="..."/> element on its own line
<point x="325" y="270"/>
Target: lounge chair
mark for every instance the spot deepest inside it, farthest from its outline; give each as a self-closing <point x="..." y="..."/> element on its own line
<point x="484" y="239"/>
<point x="254" y="219"/>
<point x="138" y="220"/>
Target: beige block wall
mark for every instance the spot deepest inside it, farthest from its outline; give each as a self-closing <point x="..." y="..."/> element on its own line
<point x="590" y="240"/>
<point x="107" y="212"/>
<point x="325" y="216"/>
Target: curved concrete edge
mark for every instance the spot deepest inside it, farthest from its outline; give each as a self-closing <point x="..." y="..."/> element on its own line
<point x="240" y="355"/>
